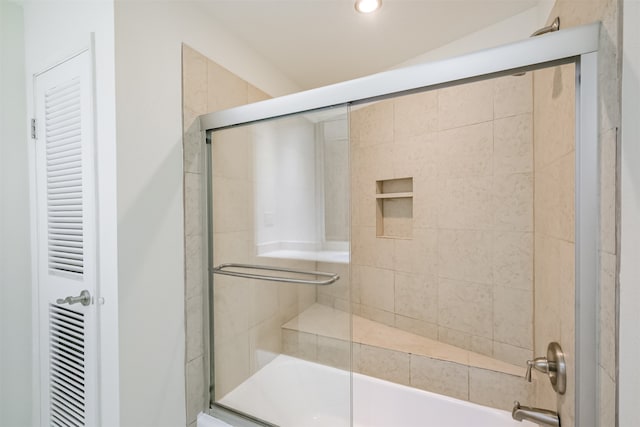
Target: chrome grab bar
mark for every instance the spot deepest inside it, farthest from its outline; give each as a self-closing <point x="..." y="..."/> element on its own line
<point x="222" y="269"/>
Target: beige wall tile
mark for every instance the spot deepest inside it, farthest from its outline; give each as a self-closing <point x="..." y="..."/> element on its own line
<point x="454" y="337"/>
<point x="418" y="255"/>
<point x="608" y="159"/>
<point x="546" y="397"/>
<point x="607" y="315"/>
<point x="465" y="104"/>
<point x="367" y="249"/>
<point x="415" y="114"/>
<point x="375" y="314"/>
<point x="373" y="124"/>
<point x="515" y="355"/>
<point x="466" y="203"/>
<point x="416" y="296"/>
<point x="497" y="389"/>
<point x="418" y="327"/>
<point x="481" y="345"/>
<point x="554" y="199"/>
<point x="265" y="343"/>
<point x="196" y="400"/>
<point x="231" y="205"/>
<point x="550" y="274"/>
<point x="426" y="202"/>
<point x="513" y="198"/>
<point x="382" y="363"/>
<point x="466" y="151"/>
<point x="513" y="95"/>
<point x="264" y="302"/>
<point x="416" y="156"/>
<point x="513" y="144"/>
<point x="334" y="352"/>
<point x="299" y="344"/>
<point x="231" y="299"/>
<point x="465" y="255"/>
<point x="234" y="246"/>
<point x="340" y="288"/>
<point x="554" y="108"/>
<point x="513" y="259"/>
<point x="230" y="153"/>
<point x="363" y="209"/>
<point x="231" y="360"/>
<point x="194" y="328"/>
<point x="189" y="123"/>
<point x="466" y="307"/>
<point x="194" y="269"/>
<point x="376" y="287"/>
<point x="193" y="146"/>
<point x="225" y="89"/>
<point x="607" y="400"/>
<point x="193" y="204"/>
<point x="194" y="84"/>
<point x="513" y="316"/>
<point x="438" y="376"/>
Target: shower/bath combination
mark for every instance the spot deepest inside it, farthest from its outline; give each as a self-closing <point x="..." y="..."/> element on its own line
<point x="352" y="300"/>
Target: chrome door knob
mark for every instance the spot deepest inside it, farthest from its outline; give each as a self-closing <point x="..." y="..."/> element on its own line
<point x="84" y="298"/>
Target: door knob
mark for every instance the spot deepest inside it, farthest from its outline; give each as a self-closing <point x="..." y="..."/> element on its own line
<point x="84" y="298"/>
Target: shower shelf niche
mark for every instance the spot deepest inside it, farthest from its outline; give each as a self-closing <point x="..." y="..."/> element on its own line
<point x="394" y="208"/>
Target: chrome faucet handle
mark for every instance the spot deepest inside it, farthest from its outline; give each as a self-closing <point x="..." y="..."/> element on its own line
<point x="540" y="364"/>
<point x="553" y="365"/>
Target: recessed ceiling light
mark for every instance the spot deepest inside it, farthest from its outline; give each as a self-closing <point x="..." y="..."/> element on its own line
<point x="368" y="6"/>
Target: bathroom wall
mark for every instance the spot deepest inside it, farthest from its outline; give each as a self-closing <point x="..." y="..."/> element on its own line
<point x="248" y="314"/>
<point x="556" y="91"/>
<point x="15" y="268"/>
<point x="464" y="276"/>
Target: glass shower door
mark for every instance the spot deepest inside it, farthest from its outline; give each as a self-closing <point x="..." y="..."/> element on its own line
<point x="280" y="326"/>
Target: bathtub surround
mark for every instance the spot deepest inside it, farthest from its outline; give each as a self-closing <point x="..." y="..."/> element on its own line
<point x="457" y="266"/>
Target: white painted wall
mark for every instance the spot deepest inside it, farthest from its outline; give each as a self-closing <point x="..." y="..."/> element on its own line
<point x="15" y="273"/>
<point x="54" y="30"/>
<point x="517" y="27"/>
<point x="150" y="194"/>
<point x="629" y="372"/>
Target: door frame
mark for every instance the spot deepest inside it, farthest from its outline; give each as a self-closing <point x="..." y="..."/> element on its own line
<point x="578" y="45"/>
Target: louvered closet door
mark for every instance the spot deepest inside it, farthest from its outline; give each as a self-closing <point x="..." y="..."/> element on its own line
<point x="66" y="242"/>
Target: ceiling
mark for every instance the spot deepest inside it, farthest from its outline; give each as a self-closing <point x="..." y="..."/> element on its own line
<point x="319" y="42"/>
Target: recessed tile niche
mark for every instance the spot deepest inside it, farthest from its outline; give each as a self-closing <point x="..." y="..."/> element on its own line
<point x="394" y="208"/>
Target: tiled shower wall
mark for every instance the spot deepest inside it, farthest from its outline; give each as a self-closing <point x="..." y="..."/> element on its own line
<point x="465" y="275"/>
<point x="554" y="236"/>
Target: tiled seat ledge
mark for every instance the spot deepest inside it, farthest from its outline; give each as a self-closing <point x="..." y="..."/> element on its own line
<point x="321" y="334"/>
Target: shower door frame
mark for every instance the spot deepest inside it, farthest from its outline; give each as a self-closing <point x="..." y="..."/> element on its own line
<point x="577" y="45"/>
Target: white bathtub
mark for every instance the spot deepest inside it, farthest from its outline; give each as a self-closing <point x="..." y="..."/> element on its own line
<point x="291" y="392"/>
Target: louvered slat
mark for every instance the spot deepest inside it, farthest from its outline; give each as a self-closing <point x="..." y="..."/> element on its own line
<point x="64" y="177"/>
<point x="67" y="367"/>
